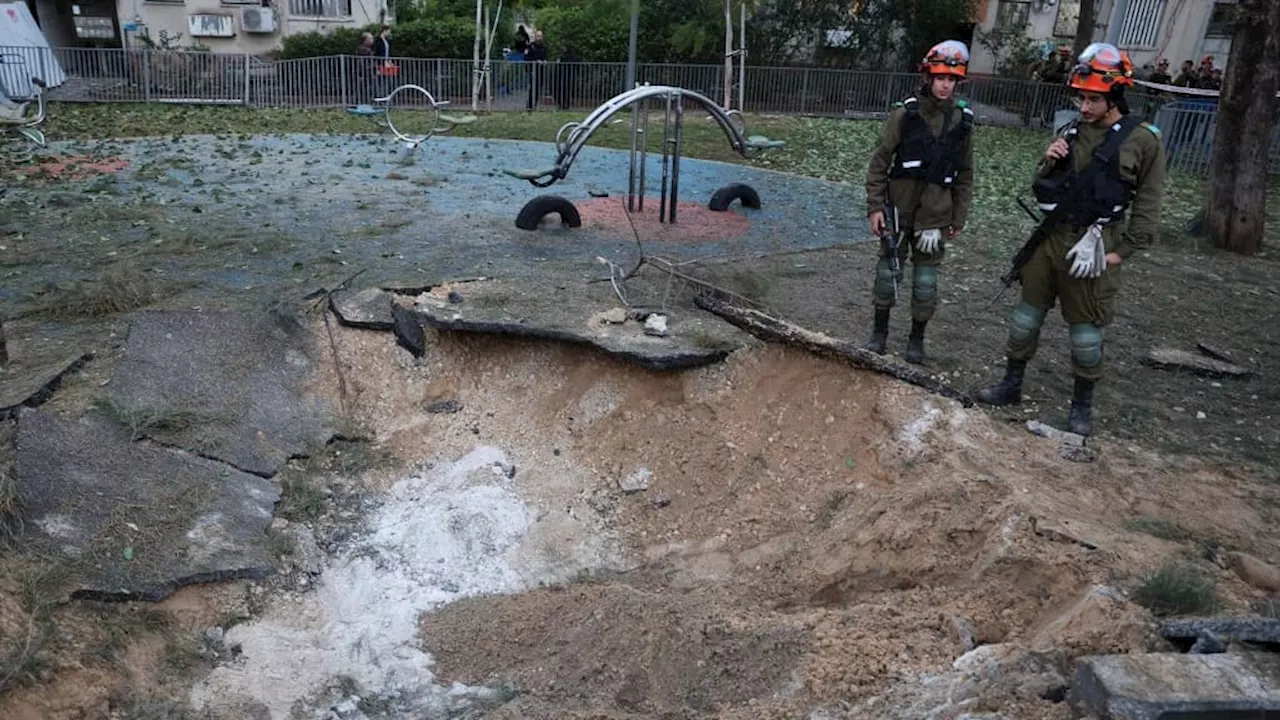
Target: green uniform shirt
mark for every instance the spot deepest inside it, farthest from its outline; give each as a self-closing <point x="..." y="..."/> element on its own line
<point x="921" y="205"/>
<point x="1142" y="163"/>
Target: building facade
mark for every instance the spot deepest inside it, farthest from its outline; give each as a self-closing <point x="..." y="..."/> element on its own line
<point x="1147" y="29"/>
<point x="224" y="26"/>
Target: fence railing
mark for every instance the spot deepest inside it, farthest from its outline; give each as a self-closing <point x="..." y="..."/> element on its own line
<point x="144" y="75"/>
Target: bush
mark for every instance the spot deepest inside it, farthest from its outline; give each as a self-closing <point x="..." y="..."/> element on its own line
<point x="1178" y="588"/>
<point x="447" y="36"/>
<point x="599" y="32"/>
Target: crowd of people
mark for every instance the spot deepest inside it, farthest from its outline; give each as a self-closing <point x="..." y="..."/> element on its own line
<point x="1055" y="69"/>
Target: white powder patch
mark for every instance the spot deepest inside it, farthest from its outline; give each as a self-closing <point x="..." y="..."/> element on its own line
<point x="913" y="432"/>
<point x="458" y="530"/>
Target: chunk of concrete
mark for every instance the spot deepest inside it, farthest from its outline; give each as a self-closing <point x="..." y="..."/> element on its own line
<point x="369" y="308"/>
<point x="580" y="314"/>
<point x="227" y="385"/>
<point x="1254" y="630"/>
<point x="137" y="520"/>
<point x="1165" y="686"/>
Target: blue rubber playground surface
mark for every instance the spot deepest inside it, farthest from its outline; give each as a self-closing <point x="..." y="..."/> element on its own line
<point x="295" y="209"/>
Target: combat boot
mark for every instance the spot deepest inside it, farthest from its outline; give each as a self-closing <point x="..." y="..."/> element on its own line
<point x="1009" y="391"/>
<point x="879" y="333"/>
<point x="1080" y="419"/>
<point x="915" y="343"/>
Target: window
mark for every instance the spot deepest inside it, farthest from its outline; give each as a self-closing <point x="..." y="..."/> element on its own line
<point x="1013" y="14"/>
<point x="1221" y="22"/>
<point x="1141" y="25"/>
<point x="320" y="8"/>
<point x="1068" y="19"/>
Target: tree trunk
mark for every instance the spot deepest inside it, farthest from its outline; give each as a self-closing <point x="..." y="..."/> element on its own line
<point x="1236" y="214"/>
<point x="1084" y="28"/>
<point x="771" y="329"/>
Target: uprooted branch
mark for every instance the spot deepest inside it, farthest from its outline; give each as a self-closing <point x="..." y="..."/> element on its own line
<point x="773" y="329"/>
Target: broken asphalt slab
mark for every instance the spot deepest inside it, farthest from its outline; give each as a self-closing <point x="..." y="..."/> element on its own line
<point x="1165" y="686"/>
<point x="369" y="308"/>
<point x="578" y="312"/>
<point x="227" y="385"/>
<point x="31" y="385"/>
<point x="135" y="519"/>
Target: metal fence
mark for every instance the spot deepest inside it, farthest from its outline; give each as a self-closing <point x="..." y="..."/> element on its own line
<point x="144" y="75"/>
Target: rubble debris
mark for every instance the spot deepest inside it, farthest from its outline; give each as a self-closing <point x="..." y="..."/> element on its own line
<point x="635" y="482"/>
<point x="408" y="331"/>
<point x="1173" y="359"/>
<point x="444" y="407"/>
<point x="656" y="325"/>
<point x="181" y="519"/>
<point x="1168" y="685"/>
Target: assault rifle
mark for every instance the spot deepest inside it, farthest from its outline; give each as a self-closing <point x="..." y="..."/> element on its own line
<point x="889" y="233"/>
<point x="1028" y="249"/>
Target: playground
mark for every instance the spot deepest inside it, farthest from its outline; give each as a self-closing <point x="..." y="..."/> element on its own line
<point x="399" y="457"/>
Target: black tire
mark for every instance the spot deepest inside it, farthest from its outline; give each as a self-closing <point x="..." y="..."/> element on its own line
<point x="725" y="196"/>
<point x="543" y="205"/>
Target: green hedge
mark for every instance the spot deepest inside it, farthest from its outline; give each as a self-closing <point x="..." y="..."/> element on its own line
<point x="448" y="36"/>
<point x="598" y="32"/>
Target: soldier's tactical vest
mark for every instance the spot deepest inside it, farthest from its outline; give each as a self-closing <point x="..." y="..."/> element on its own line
<point x="1095" y="194"/>
<point x="922" y="156"/>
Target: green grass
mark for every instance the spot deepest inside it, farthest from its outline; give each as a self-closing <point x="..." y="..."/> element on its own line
<point x="832" y="149"/>
<point x="1179" y="587"/>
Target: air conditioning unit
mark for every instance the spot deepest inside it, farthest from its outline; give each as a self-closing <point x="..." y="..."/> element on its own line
<point x="258" y="19"/>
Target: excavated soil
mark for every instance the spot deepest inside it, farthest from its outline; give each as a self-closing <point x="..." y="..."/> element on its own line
<point x="774" y="536"/>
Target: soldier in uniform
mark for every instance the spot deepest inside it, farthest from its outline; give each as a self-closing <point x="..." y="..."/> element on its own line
<point x="1100" y="183"/>
<point x="923" y="172"/>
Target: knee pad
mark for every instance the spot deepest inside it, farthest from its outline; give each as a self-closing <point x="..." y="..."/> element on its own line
<point x="924" y="284"/>
<point x="1086" y="345"/>
<point x="883" y="289"/>
<point x="1026" y="322"/>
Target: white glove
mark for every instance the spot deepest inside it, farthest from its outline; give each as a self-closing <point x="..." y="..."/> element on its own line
<point x="928" y="241"/>
<point x="1088" y="255"/>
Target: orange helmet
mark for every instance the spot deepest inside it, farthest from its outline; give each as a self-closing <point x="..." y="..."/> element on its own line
<point x="946" y="58"/>
<point x="1101" y="68"/>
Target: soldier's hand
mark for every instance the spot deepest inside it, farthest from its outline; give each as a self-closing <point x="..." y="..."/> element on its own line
<point x="952" y="232"/>
<point x="1114" y="260"/>
<point x="877" y="222"/>
<point x="1058" y="149"/>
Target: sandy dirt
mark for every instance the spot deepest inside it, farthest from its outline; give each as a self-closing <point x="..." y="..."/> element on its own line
<point x="770" y="536"/>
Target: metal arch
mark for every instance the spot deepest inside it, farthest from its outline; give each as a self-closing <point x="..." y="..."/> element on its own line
<point x="572" y="136"/>
<point x="413" y="141"/>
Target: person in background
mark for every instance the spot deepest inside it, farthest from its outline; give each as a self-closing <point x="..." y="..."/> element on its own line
<point x="1161" y="74"/>
<point x="537" y="56"/>
<point x="1186" y="75"/>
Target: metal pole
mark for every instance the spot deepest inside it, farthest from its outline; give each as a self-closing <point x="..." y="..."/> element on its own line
<point x="643" y="132"/>
<point x="475" y="60"/>
<point x="631" y="45"/>
<point x="742" y="56"/>
<point x="1117" y="20"/>
<point x="728" y="55"/>
<point x="666" y="157"/>
<point x="631" y="179"/>
<point x="675" y="157"/>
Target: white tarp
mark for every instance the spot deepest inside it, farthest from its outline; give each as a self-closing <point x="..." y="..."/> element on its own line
<point x="24" y="52"/>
